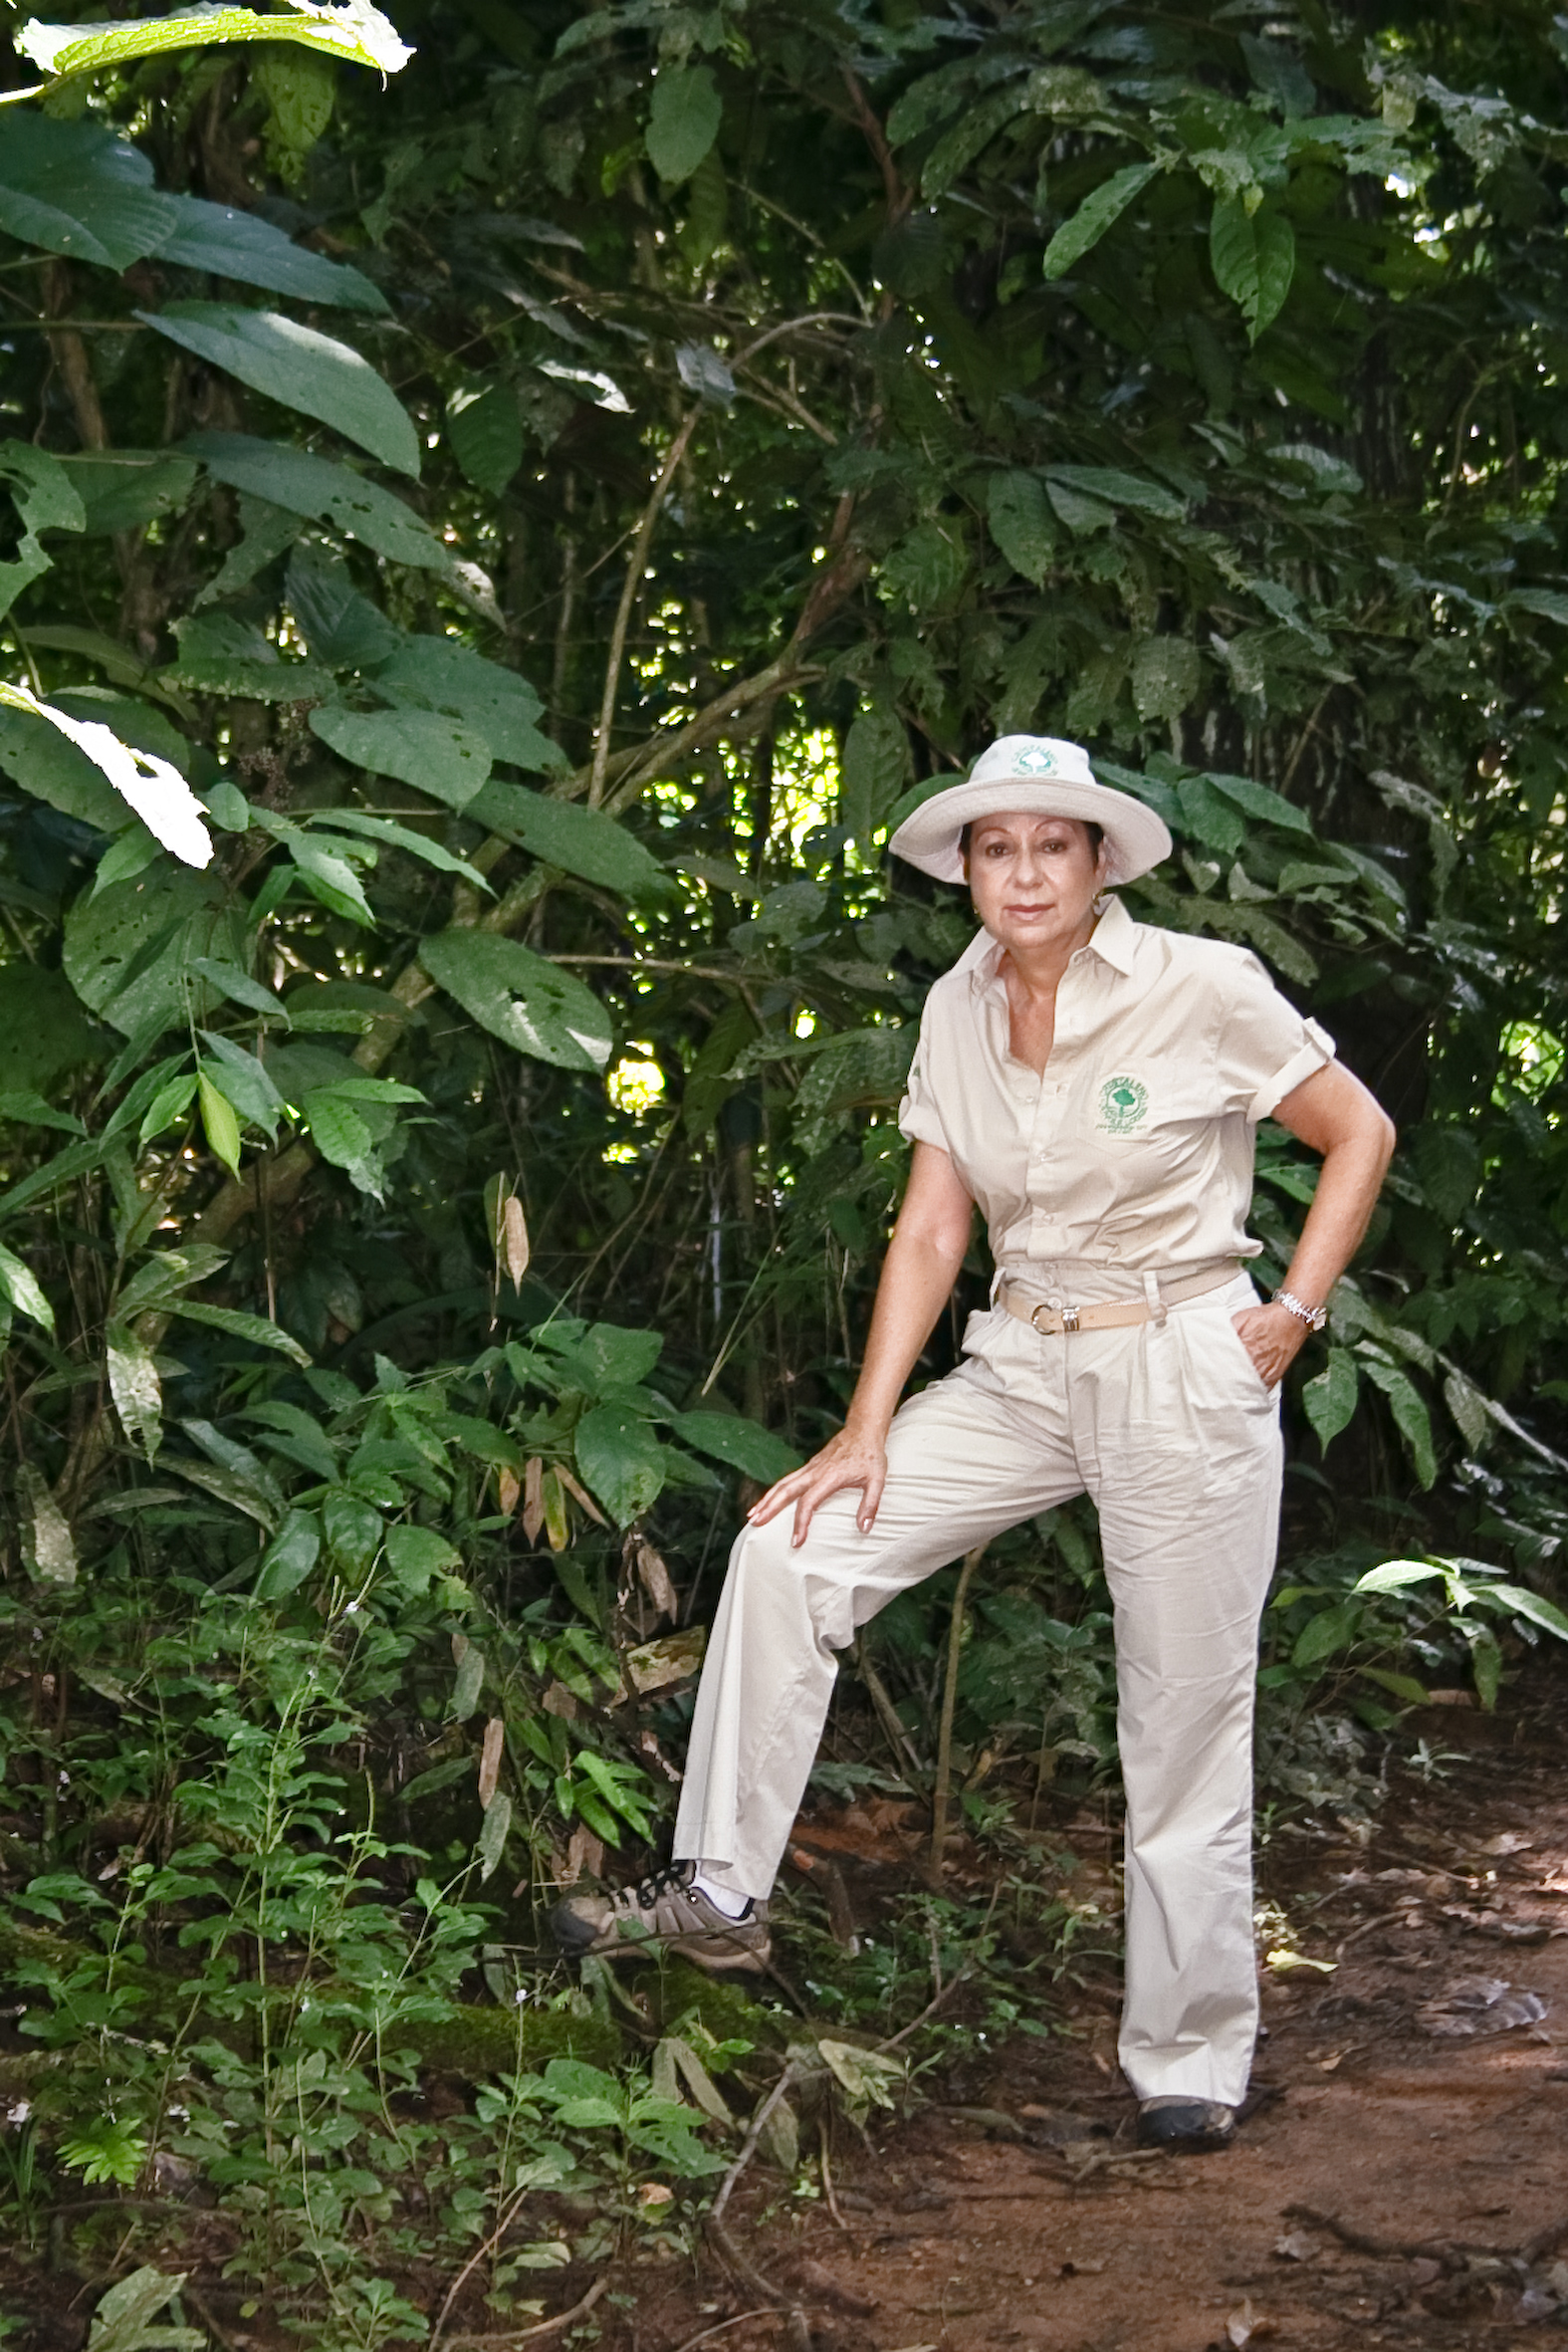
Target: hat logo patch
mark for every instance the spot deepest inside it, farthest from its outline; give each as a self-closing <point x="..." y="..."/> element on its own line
<point x="1035" y="763"/>
<point x="1124" y="1106"/>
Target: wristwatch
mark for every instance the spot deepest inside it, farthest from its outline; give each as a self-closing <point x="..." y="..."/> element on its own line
<point x="1314" y="1317"/>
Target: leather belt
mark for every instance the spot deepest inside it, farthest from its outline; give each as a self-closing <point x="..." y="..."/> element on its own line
<point x="1051" y="1317"/>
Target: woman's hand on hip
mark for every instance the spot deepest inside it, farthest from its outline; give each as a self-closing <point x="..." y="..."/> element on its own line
<point x="854" y="1458"/>
<point x="1272" y="1337"/>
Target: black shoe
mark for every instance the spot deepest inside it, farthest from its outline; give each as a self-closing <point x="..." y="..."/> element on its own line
<point x="1184" y="2127"/>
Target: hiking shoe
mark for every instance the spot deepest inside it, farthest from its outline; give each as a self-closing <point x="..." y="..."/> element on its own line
<point x="663" y="1913"/>
<point x="1184" y="2127"/>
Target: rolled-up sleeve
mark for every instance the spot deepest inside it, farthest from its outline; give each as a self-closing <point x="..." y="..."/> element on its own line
<point x="1266" y="1047"/>
<point x="918" y="1115"/>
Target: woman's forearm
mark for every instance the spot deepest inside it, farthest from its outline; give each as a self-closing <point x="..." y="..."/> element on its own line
<point x="1347" y="1193"/>
<point x="918" y="1274"/>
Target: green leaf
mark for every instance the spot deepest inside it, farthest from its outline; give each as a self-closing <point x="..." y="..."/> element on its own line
<point x="168" y="1104"/>
<point x="359" y="32"/>
<point x="415" y="1555"/>
<point x="245" y="1083"/>
<point x="1523" y="1603"/>
<point x="1330" y="1630"/>
<point x="1253" y="257"/>
<point x="579" y="840"/>
<point x="519" y="998"/>
<point x="1410" y="1415"/>
<point x="436" y="755"/>
<point x="135" y="1387"/>
<point x="620" y="1459"/>
<point x="875" y="770"/>
<point x="300" y="368"/>
<point x="122" y="2321"/>
<point x="1117" y="488"/>
<point x="354" y="1530"/>
<point x="1018" y="514"/>
<point x="402" y="837"/>
<point x="1398" y="1575"/>
<point x="243" y="246"/>
<point x="127" y="951"/>
<point x="1262" y="802"/>
<point x="49" y="1551"/>
<point x="342" y="1138"/>
<point x="493" y="1833"/>
<point x="683" y="121"/>
<point x="437" y="673"/>
<point x="1099" y="212"/>
<point x="239" y="1325"/>
<point x="304" y="484"/>
<point x="1331" y="1398"/>
<point x="470" y="1682"/>
<point x="23" y="1107"/>
<point x="20" y="1287"/>
<point x="1166" y="675"/>
<point x="77" y="189"/>
<point x="221" y="1127"/>
<point x="743" y="1445"/>
<point x="226" y="1485"/>
<point x="485" y="432"/>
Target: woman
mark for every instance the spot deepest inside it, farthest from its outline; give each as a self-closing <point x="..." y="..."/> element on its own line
<point x="1094" y="1086"/>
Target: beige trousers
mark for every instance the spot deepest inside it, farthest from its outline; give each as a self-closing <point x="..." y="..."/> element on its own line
<point x="1168" y="1428"/>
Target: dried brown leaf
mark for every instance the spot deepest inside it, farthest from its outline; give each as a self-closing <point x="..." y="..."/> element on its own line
<point x="532" y="1499"/>
<point x="508" y="1488"/>
<point x="490" y="1760"/>
<point x="580" y="1494"/>
<point x="513" y="1252"/>
<point x="656" y="1579"/>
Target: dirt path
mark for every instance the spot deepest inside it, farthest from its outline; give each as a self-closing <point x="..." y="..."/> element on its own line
<point x="1403" y="2180"/>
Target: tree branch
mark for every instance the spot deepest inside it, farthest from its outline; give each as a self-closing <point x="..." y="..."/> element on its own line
<point x="628" y="595"/>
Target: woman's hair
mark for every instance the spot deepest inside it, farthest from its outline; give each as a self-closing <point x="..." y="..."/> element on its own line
<point x="1094" y="834"/>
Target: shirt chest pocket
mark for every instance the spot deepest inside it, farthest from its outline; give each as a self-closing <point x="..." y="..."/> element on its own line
<point x="1136" y="1111"/>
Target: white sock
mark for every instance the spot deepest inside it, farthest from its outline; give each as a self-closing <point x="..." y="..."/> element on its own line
<point x="723" y="1899"/>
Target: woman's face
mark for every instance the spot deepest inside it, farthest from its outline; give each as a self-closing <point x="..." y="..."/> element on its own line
<point x="1033" y="879"/>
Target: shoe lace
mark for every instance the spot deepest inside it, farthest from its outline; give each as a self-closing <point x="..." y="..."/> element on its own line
<point x="661" y="1882"/>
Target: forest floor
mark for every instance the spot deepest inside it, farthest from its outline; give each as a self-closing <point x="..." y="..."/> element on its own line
<point x="1402" y="2179"/>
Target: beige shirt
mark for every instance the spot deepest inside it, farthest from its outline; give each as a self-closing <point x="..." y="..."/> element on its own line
<point x="1135" y="1148"/>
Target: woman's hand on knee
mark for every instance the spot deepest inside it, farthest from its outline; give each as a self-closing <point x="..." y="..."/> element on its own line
<point x="854" y="1458"/>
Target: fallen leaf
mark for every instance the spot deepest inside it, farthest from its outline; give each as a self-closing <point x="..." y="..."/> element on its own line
<point x="654" y="2193"/>
<point x="1249" y="2328"/>
<point x="1297" y="2247"/>
<point x="508" y="1488"/>
<point x="1479" y="2004"/>
<point x="585" y="1854"/>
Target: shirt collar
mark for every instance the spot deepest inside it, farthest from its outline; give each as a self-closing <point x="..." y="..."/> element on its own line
<point x="1114" y="941"/>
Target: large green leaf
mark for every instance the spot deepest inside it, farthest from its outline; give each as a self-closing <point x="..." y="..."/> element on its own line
<point x="1253" y="256"/>
<point x="579" y="840"/>
<point x="76" y="188"/>
<point x="439" y="674"/>
<point x="128" y="952"/>
<point x="40" y="759"/>
<point x="354" y="30"/>
<point x="120" y="489"/>
<point x="519" y="998"/>
<point x="1019" y="517"/>
<point x="300" y="368"/>
<point x="308" y="485"/>
<point x="743" y="1445"/>
<point x="438" y="755"/>
<point x="485" y="429"/>
<point x="1080" y="233"/>
<point x="682" y="121"/>
<point x="242" y="245"/>
<point x="620" y="1459"/>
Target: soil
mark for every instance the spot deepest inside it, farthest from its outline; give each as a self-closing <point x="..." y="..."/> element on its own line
<point x="1399" y="2180"/>
<point x="1400" y="2177"/>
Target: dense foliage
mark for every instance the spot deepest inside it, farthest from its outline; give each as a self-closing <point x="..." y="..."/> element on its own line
<point x="554" y="507"/>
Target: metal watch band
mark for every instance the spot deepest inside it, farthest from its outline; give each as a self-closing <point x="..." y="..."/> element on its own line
<point x="1313" y="1316"/>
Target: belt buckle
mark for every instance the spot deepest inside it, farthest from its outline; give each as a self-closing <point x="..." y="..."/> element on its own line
<point x="1045" y="1308"/>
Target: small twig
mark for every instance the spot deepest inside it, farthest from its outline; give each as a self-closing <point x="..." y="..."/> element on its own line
<point x="944" y="1993"/>
<point x="939" y="1798"/>
<point x="827" y="2178"/>
<point x="218" y="2333"/>
<point x="754" y="2132"/>
<point x="797" y="2333"/>
<point x="763" y="2311"/>
<point x="636" y="565"/>
<point x="543" y="2327"/>
<point x="887" y="1714"/>
<point x="1380" y="2249"/>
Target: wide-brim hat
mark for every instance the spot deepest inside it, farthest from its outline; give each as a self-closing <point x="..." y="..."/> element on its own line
<point x="1031" y="776"/>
